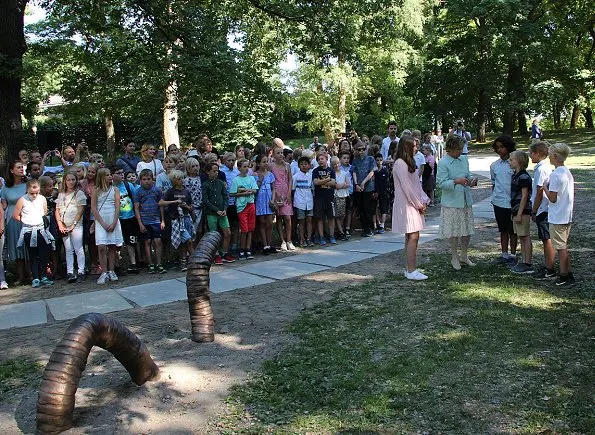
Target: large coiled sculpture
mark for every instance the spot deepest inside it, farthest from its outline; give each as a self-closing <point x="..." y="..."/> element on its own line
<point x="197" y="287"/>
<point x="55" y="402"/>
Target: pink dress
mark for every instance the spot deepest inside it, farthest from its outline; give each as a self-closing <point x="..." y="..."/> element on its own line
<point x="282" y="189"/>
<point x="408" y="197"/>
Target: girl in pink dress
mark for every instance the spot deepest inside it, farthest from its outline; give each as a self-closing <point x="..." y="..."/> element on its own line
<point x="410" y="203"/>
<point x="282" y="199"/>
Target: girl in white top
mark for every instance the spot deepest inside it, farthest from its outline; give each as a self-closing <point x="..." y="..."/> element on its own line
<point x="148" y="153"/>
<point x="70" y="208"/>
<point x="30" y="210"/>
<point x="105" y="205"/>
<point x="341" y="194"/>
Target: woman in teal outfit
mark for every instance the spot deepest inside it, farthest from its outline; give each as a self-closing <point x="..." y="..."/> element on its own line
<point x="456" y="214"/>
<point x="12" y="191"/>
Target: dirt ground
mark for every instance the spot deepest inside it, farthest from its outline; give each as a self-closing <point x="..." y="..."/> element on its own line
<point x="195" y="378"/>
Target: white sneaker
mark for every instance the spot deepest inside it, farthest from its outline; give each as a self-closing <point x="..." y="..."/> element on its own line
<point x="103" y="278"/>
<point x="284" y="246"/>
<point x="3" y="285"/>
<point x="112" y="275"/>
<point x="290" y="246"/>
<point x="416" y="275"/>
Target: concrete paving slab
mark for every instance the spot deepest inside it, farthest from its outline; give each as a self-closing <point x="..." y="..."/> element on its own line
<point x="103" y="301"/>
<point x="371" y="246"/>
<point x="281" y="269"/>
<point x="424" y="237"/>
<point x="162" y="292"/>
<point x="227" y="280"/>
<point x="333" y="258"/>
<point x="24" y="314"/>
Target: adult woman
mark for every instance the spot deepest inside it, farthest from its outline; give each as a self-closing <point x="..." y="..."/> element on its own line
<point x="11" y="193"/>
<point x="456" y="214"/>
<point x="409" y="205"/>
<point x="148" y="160"/>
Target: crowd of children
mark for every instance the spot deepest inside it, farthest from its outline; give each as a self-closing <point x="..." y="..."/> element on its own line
<point x="159" y="209"/>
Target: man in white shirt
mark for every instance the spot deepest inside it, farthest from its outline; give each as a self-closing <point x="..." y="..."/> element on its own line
<point x="459" y="130"/>
<point x="392" y="135"/>
<point x="314" y="144"/>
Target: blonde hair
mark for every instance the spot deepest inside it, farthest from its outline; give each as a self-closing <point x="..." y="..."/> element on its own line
<point x="521" y="157"/>
<point x="176" y="174"/>
<point x="92" y="166"/>
<point x="209" y="156"/>
<point x="80" y="165"/>
<point x="171" y="158"/>
<point x="76" y="181"/>
<point x="335" y="161"/>
<point x="560" y="149"/>
<point x="540" y="148"/>
<point x="144" y="149"/>
<point x="94" y="158"/>
<point x="101" y="183"/>
<point x="228" y="155"/>
<point x="190" y="161"/>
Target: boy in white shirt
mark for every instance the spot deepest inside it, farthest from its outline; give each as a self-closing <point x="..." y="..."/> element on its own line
<point x="560" y="193"/>
<point x="303" y="200"/>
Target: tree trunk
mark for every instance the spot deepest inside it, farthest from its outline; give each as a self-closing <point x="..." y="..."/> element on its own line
<point x="514" y="98"/>
<point x="508" y="122"/>
<point x="110" y="133"/>
<point x="170" y="116"/>
<point x="588" y="117"/>
<point x="556" y="113"/>
<point x="576" y="111"/>
<point x="12" y="48"/>
<point x="342" y="107"/>
<point x="522" y="119"/>
<point x="482" y="114"/>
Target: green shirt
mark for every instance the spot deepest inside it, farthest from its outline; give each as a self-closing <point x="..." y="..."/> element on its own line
<point x="247" y="183"/>
<point x="454" y="195"/>
<point x="214" y="196"/>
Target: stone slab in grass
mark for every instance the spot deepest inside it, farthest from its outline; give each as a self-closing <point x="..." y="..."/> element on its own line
<point x="281" y="269"/>
<point x="162" y="292"/>
<point x="103" y="301"/>
<point x="23" y="314"/>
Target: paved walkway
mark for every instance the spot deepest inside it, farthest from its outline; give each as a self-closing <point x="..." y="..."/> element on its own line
<point x="222" y="280"/>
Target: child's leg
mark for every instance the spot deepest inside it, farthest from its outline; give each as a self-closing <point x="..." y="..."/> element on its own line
<point x="76" y="240"/>
<point x="2" y="274"/>
<point x="280" y="229"/>
<point x="309" y="227"/>
<point x="158" y="250"/>
<point x="548" y="254"/>
<point x="411" y="240"/>
<point x="301" y="229"/>
<point x="131" y="254"/>
<point x="69" y="251"/>
<point x="269" y="229"/>
<point x="102" y="251"/>
<point x="526" y="249"/>
<point x="331" y="226"/>
<point x="148" y="256"/>
<point x="338" y="224"/>
<point x="262" y="229"/>
<point x="513" y="243"/>
<point x="287" y="222"/>
<point x="112" y="254"/>
<point x="564" y="257"/>
<point x="226" y="239"/>
<point x="504" y="238"/>
<point x="248" y="241"/>
<point x="320" y="227"/>
<point x="243" y="239"/>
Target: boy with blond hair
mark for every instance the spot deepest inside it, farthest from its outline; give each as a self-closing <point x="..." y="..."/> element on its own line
<point x="520" y="202"/>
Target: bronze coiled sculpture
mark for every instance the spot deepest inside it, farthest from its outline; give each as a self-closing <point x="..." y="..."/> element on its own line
<point x="55" y="402"/>
<point x="197" y="288"/>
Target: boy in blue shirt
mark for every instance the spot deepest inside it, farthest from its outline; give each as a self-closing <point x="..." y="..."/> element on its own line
<point x="128" y="222"/>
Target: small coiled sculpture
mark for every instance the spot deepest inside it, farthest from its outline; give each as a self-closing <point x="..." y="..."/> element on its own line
<point x="197" y="288"/>
<point x="55" y="402"/>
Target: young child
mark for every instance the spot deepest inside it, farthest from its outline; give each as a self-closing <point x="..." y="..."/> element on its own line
<point x="428" y="177"/>
<point x="282" y="198"/>
<point x="30" y="210"/>
<point x="381" y="177"/>
<point x="162" y="182"/>
<point x="541" y="175"/>
<point x="192" y="184"/>
<point x="105" y="205"/>
<point x="323" y="178"/>
<point x="148" y="216"/>
<point x="341" y="195"/>
<point x="128" y="222"/>
<point x="303" y="201"/>
<point x="47" y="189"/>
<point x="243" y="189"/>
<point x="294" y="165"/>
<point x="231" y="172"/>
<point x="560" y="193"/>
<point x="520" y="202"/>
<point x="345" y="158"/>
<point x="215" y="201"/>
<point x="501" y="176"/>
<point x="131" y="177"/>
<point x="179" y="208"/>
<point x="266" y="192"/>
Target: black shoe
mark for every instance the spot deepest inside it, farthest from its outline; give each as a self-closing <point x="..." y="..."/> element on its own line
<point x="565" y="280"/>
<point x="266" y="251"/>
<point x="133" y="269"/>
<point x="544" y="273"/>
<point x="71" y="278"/>
<point x="82" y="277"/>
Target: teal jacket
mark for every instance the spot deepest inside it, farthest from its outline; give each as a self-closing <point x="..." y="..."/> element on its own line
<point x="454" y="195"/>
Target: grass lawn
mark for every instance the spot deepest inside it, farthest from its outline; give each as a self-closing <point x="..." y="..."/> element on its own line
<point x="476" y="352"/>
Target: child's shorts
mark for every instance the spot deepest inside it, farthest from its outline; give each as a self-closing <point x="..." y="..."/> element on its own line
<point x="340" y="207"/>
<point x="188" y="232"/>
<point x="543" y="228"/>
<point x="524" y="228"/>
<point x="303" y="214"/>
<point x="153" y="232"/>
<point x="214" y="222"/>
<point x="324" y="208"/>
<point x="560" y="234"/>
<point x="383" y="203"/>
<point x="503" y="219"/>
<point x="232" y="214"/>
<point x="130" y="231"/>
<point x="247" y="218"/>
<point x="349" y="204"/>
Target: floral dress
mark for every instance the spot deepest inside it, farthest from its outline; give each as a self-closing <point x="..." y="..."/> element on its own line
<point x="194" y="187"/>
<point x="282" y="189"/>
<point x="265" y="194"/>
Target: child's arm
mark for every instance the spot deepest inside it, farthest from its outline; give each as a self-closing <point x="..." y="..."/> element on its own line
<point x="112" y="227"/>
<point x="94" y="209"/>
<point x="524" y="198"/>
<point x="538" y="201"/>
<point x="551" y="196"/>
<point x="209" y="207"/>
<point x="137" y="214"/>
<point x="16" y="214"/>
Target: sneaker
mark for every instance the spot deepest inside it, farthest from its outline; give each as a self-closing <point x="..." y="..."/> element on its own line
<point x="500" y="260"/>
<point x="103" y="278"/>
<point x="46" y="281"/>
<point x="219" y="260"/>
<point x="81" y="277"/>
<point x="228" y="258"/>
<point x="304" y="244"/>
<point x="242" y="255"/>
<point x="283" y="246"/>
<point x="151" y="268"/>
<point x="512" y="262"/>
<point x="71" y="277"/>
<point x="112" y="275"/>
<point x="266" y="250"/>
<point x="3" y="285"/>
<point x="322" y="242"/>
<point x="160" y="269"/>
<point x="565" y="280"/>
<point x="132" y="269"/>
<point x="333" y="241"/>
<point x="35" y="283"/>
<point x="249" y="255"/>
<point x="523" y="268"/>
<point x="290" y="246"/>
<point x="347" y="232"/>
<point x="342" y="236"/>
<point x="315" y="239"/>
<point x="183" y="264"/>
<point x="273" y="250"/>
<point x="416" y="275"/>
<point x="366" y="233"/>
<point x="309" y="243"/>
<point x="380" y="230"/>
